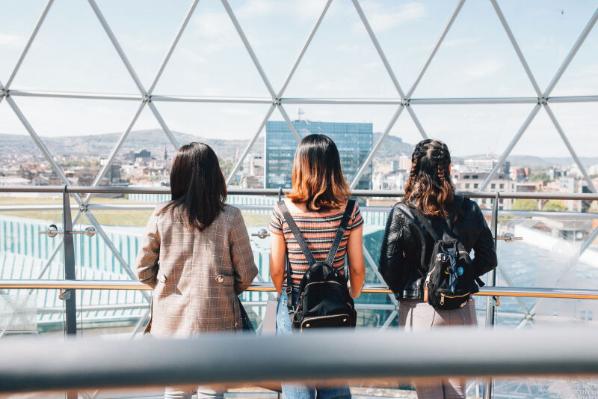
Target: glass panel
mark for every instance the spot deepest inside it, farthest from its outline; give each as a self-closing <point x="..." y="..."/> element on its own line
<point x="581" y="76"/>
<point x="117" y="313"/>
<point x="552" y="249"/>
<point x="211" y="59"/>
<point x="546" y="388"/>
<point x="580" y="129"/>
<point x="277" y="31"/>
<point x="31" y="312"/>
<point x="395" y="24"/>
<point x="21" y="160"/>
<point x="546" y="51"/>
<point x="476" y="59"/>
<point x="79" y="134"/>
<point x="73" y="53"/>
<point x="489" y="128"/>
<point x="27" y="251"/>
<point x="16" y="30"/>
<point x="341" y="60"/>
<point x="145" y="30"/>
<point x="228" y="129"/>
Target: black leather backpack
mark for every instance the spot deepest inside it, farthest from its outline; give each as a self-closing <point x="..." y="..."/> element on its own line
<point x="450" y="278"/>
<point x="324" y="299"/>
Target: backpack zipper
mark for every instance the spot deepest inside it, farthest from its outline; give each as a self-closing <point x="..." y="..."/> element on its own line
<point x="323" y="282"/>
<point x="307" y="324"/>
<point x="442" y="296"/>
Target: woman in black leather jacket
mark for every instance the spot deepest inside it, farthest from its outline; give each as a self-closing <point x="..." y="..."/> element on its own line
<point x="430" y="191"/>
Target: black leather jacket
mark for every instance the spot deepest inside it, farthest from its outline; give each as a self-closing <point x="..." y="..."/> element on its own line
<point x="400" y="258"/>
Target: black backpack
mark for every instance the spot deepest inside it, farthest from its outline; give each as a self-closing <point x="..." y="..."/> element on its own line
<point x="450" y="278"/>
<point x="324" y="299"/>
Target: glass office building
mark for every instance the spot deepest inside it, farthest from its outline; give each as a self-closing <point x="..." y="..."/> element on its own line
<point x="354" y="142"/>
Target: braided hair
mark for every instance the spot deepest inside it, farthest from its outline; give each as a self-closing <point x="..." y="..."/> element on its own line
<point x="429" y="186"/>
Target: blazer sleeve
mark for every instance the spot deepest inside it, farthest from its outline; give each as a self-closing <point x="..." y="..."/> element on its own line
<point x="146" y="265"/>
<point x="485" y="254"/>
<point x="397" y="253"/>
<point x="241" y="254"/>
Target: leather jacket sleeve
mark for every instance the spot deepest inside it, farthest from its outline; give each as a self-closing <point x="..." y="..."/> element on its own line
<point x="400" y="252"/>
<point x="485" y="255"/>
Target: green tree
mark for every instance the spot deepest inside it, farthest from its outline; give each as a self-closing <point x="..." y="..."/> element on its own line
<point x="524" y="204"/>
<point x="555" y="206"/>
<point x="543" y="177"/>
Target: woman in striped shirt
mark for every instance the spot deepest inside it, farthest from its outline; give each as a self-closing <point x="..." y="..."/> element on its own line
<point x="317" y="202"/>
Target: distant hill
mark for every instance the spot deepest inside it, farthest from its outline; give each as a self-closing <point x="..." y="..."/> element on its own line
<point x="101" y="144"/>
<point x="392" y="146"/>
<point x="156" y="141"/>
<point x="538" y="162"/>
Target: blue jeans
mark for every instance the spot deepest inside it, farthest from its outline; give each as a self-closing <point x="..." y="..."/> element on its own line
<point x="180" y="393"/>
<point x="296" y="391"/>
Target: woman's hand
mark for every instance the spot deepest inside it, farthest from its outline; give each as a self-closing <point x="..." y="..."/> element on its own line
<point x="278" y="249"/>
<point x="356" y="262"/>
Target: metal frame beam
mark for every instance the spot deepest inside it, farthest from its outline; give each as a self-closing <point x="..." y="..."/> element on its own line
<point x="32" y="37"/>
<point x="304" y="100"/>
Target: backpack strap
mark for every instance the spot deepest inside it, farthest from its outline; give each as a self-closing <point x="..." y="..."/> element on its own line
<point x="425" y="223"/>
<point x="296" y="232"/>
<point x="304" y="248"/>
<point x="341" y="231"/>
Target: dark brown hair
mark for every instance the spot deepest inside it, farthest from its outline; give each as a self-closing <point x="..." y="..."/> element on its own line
<point x="317" y="177"/>
<point x="429" y="187"/>
<point x="197" y="185"/>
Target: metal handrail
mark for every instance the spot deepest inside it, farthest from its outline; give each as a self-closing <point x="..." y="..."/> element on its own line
<point x="553" y="293"/>
<point x="150" y="206"/>
<point x="229" y="359"/>
<point x="274" y="192"/>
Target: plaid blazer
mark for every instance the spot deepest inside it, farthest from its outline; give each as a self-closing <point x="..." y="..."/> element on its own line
<point x="195" y="275"/>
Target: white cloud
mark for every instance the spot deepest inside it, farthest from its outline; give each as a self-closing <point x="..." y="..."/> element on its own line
<point x="213" y="24"/>
<point x="383" y="19"/>
<point x="485" y="68"/>
<point x="11" y="40"/>
<point x="256" y="8"/>
<point x="212" y="32"/>
<point x="305" y="9"/>
<point x="461" y="42"/>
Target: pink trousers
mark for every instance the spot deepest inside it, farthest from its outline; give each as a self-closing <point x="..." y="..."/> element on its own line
<point x="418" y="316"/>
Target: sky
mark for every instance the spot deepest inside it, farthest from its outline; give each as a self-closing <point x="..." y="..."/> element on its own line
<point x="73" y="53"/>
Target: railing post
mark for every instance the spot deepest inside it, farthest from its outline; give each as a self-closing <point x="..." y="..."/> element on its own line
<point x="491" y="302"/>
<point x="70" y="303"/>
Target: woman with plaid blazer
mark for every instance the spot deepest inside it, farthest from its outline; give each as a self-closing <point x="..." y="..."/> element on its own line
<point x="196" y="253"/>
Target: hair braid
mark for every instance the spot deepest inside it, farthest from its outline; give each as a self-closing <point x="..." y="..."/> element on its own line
<point x="429" y="185"/>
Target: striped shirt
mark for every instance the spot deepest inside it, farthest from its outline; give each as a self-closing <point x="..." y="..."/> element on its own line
<point x="318" y="230"/>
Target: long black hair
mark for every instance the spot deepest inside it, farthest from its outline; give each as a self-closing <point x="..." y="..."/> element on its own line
<point x="197" y="185"/>
<point x="429" y="186"/>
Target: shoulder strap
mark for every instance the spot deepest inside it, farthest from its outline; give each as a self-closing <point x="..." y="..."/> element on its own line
<point x="341" y="231"/>
<point x="406" y="210"/>
<point x="458" y="211"/>
<point x="425" y="223"/>
<point x="296" y="232"/>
